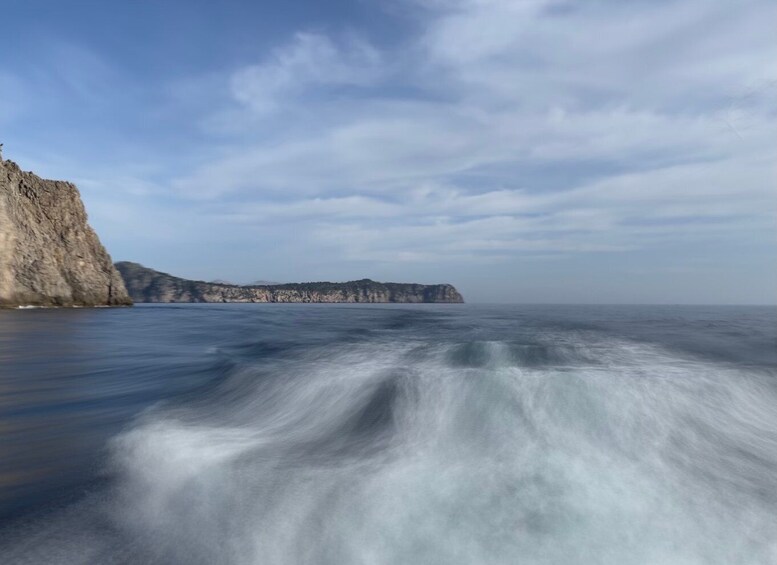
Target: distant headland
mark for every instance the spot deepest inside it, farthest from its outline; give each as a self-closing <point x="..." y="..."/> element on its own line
<point x="148" y="285"/>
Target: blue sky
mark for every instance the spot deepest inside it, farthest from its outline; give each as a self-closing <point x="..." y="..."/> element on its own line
<point x="523" y="150"/>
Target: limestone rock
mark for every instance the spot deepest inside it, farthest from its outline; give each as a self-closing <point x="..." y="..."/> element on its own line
<point x="49" y="256"/>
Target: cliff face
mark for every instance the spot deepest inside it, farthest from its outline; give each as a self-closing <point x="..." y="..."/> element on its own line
<point x="147" y="285"/>
<point x="49" y="256"/>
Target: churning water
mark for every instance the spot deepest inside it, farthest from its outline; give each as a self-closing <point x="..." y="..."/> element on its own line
<point x="268" y="434"/>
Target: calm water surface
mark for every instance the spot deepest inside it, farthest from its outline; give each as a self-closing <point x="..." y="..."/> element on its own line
<point x="389" y="434"/>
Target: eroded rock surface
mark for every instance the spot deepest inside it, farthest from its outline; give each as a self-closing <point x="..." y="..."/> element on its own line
<point x="49" y="256"/>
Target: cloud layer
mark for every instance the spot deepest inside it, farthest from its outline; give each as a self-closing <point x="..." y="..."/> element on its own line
<point x="491" y="133"/>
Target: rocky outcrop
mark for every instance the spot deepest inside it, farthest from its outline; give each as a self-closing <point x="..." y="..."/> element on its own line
<point x="49" y="256"/>
<point x="148" y="285"/>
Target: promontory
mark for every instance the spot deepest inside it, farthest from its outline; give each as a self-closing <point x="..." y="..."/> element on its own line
<point x="148" y="285"/>
<point x="49" y="255"/>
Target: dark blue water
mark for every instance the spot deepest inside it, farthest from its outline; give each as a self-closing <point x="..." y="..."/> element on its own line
<point x="187" y="434"/>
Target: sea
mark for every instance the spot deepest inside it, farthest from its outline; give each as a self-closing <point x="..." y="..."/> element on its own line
<point x="389" y="434"/>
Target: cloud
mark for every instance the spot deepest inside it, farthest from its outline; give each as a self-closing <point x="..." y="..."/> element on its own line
<point x="489" y="131"/>
<point x="667" y="106"/>
<point x="309" y="61"/>
<point x="657" y="54"/>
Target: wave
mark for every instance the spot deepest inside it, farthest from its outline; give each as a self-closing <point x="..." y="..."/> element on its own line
<point x="572" y="448"/>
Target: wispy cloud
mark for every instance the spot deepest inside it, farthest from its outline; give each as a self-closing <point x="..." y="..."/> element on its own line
<point x="640" y="93"/>
<point x="311" y="61"/>
<point x="492" y="131"/>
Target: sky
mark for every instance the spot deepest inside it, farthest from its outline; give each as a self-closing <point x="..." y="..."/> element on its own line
<point x="533" y="151"/>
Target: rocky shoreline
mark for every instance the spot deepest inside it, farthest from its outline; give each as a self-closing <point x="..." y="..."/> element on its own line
<point x="50" y="257"/>
<point x="148" y="285"/>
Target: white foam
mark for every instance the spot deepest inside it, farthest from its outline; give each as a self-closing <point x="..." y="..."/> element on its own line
<point x="641" y="457"/>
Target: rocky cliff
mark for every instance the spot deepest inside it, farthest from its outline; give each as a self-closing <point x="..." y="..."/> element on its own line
<point x="148" y="285"/>
<point x="49" y="256"/>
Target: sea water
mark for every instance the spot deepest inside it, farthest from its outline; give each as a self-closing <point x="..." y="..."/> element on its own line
<point x="396" y="434"/>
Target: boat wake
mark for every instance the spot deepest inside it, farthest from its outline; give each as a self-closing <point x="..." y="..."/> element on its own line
<point x="574" y="448"/>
